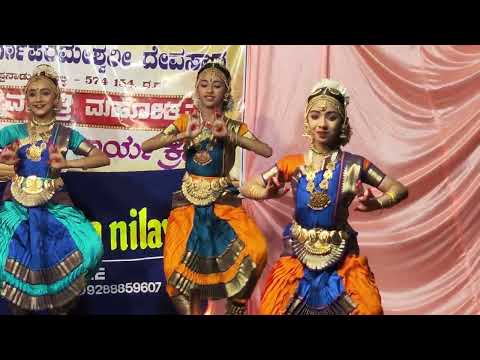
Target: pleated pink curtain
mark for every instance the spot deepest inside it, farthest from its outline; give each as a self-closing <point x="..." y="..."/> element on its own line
<point x="415" y="114"/>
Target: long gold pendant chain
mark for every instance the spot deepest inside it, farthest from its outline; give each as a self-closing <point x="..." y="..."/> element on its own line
<point x="319" y="200"/>
<point x="202" y="156"/>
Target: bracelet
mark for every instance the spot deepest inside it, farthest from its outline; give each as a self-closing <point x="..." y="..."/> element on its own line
<point x="254" y="193"/>
<point x="388" y="202"/>
<point x="379" y="200"/>
<point x="392" y="195"/>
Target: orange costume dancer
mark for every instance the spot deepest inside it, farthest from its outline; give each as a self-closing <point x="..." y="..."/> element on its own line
<point x="212" y="248"/>
<point x="321" y="270"/>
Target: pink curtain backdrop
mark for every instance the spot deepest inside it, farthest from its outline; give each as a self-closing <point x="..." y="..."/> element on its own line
<point x="415" y="114"/>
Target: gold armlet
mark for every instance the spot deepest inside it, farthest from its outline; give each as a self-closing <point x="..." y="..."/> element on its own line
<point x="233" y="137"/>
<point x="84" y="149"/>
<point x="170" y="130"/>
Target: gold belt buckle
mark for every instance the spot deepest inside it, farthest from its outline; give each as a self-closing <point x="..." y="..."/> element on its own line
<point x="33" y="185"/>
<point x="203" y="192"/>
<point x="32" y="190"/>
<point x="318" y="241"/>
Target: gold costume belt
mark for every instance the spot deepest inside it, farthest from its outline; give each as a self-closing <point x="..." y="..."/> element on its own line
<point x="33" y="190"/>
<point x="203" y="191"/>
<point x="318" y="248"/>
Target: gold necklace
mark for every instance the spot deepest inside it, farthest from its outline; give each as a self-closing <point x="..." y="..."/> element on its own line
<point x="202" y="157"/>
<point x="318" y="152"/>
<point x="38" y="123"/>
<point x="319" y="200"/>
<point x="35" y="151"/>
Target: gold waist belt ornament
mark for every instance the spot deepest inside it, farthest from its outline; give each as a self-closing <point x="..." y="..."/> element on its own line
<point x="318" y="248"/>
<point x="32" y="190"/>
<point x="202" y="191"/>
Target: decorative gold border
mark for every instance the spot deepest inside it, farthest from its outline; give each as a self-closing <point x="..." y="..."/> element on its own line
<point x="219" y="290"/>
<point x="214" y="264"/>
<point x="44" y="276"/>
<point x="50" y="301"/>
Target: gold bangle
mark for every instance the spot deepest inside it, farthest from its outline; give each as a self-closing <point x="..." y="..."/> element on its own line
<point x="254" y="193"/>
<point x="392" y="195"/>
<point x="386" y="203"/>
<point x="379" y="200"/>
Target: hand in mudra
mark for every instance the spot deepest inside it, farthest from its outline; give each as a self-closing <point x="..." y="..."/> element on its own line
<point x="276" y="187"/>
<point x="366" y="200"/>
<point x="194" y="128"/>
<point x="56" y="159"/>
<point x="219" y="129"/>
<point x="8" y="156"/>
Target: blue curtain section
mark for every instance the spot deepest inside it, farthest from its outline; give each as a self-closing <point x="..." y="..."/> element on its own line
<point x="132" y="209"/>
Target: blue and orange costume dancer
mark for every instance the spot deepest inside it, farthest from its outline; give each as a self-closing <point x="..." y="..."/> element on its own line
<point x="321" y="271"/>
<point x="212" y="248"/>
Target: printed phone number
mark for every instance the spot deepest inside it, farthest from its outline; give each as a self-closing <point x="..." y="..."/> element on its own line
<point x="128" y="288"/>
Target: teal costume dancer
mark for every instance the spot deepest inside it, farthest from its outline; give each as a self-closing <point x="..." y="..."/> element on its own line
<point x="48" y="249"/>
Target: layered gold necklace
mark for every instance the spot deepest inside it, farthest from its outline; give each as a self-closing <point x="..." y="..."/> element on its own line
<point x="319" y="199"/>
<point x="202" y="157"/>
<point x="35" y="151"/>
